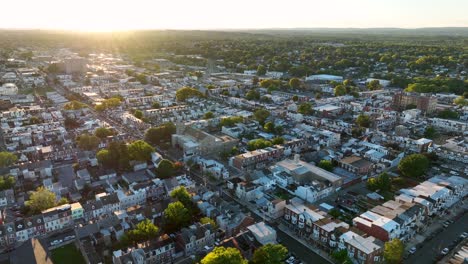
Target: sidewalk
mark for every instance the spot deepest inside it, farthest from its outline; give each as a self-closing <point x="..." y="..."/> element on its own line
<point x="317" y="251"/>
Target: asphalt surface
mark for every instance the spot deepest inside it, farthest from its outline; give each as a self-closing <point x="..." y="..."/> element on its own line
<point x="432" y="248"/>
<point x="304" y="254"/>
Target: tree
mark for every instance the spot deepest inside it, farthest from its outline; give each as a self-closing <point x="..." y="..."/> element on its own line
<point x="207" y="220"/>
<point x="7" y="159"/>
<point x="255" y="81"/>
<point x="348" y="82"/>
<point x="116" y="156"/>
<point x="393" y="251"/>
<point x="277" y="140"/>
<point x="270" y="254"/>
<point x="156" y="105"/>
<point x="222" y="255"/>
<point x="374" y="85"/>
<point x="164" y="132"/>
<point x="363" y="121"/>
<point x="187" y="92"/>
<point x="305" y="108"/>
<point x="448" y="114"/>
<point x="165" y="168"/>
<point x="381" y="182"/>
<point x="182" y="195"/>
<point x="252" y="95"/>
<point x="230" y="121"/>
<point x="176" y="216"/>
<point x="103" y="132"/>
<point x="341" y="256"/>
<point x="71" y="123"/>
<point x="261" y="70"/>
<point x="40" y="200"/>
<point x="294" y="83"/>
<point x="261" y="115"/>
<point x="461" y="100"/>
<point x="258" y="144"/>
<point x="269" y="127"/>
<point x="340" y="90"/>
<point x="414" y="165"/>
<point x="326" y="165"/>
<point x="138" y="114"/>
<point x="140" y="150"/>
<point x="7" y="182"/>
<point x="430" y="132"/>
<point x="295" y="98"/>
<point x="145" y="230"/>
<point x="74" y="105"/>
<point x="208" y="115"/>
<point x="88" y="142"/>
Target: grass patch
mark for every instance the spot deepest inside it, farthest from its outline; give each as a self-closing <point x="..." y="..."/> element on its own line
<point x="67" y="254"/>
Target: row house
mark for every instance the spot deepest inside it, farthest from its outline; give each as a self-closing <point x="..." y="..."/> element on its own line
<point x="131" y="197"/>
<point x="29" y="227"/>
<point x="449" y="125"/>
<point x="378" y="226"/>
<point x="57" y="218"/>
<point x="213" y="167"/>
<point x="110" y="202"/>
<point x="326" y="231"/>
<point x="363" y="250"/>
<point x="257" y="158"/>
<point x="301" y="217"/>
<point x="196" y="238"/>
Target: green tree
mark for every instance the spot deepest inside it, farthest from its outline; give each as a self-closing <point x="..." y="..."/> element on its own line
<point x="103" y="132"/>
<point x="393" y="251"/>
<point x="230" y="121"/>
<point x="176" y="216"/>
<point x="326" y="165"/>
<point x="363" y="121"/>
<point x="7" y="182"/>
<point x="144" y="231"/>
<point x="258" y="144"/>
<point x="88" y="142"/>
<point x="116" y="156"/>
<point x="222" y="255"/>
<point x="295" y="98"/>
<point x="182" y="195"/>
<point x="414" y="165"/>
<point x="381" y="182"/>
<point x="261" y="115"/>
<point x="448" y="114"/>
<point x="261" y="70"/>
<point x="430" y="132"/>
<point x="138" y="114"/>
<point x="269" y="127"/>
<point x="156" y="105"/>
<point x="374" y="85"/>
<point x="207" y="220"/>
<point x="277" y="141"/>
<point x="270" y="254"/>
<point x="164" y="132"/>
<point x="74" y="105"/>
<point x="294" y="83"/>
<point x="305" y="108"/>
<point x="341" y="256"/>
<point x="140" y="150"/>
<point x="165" y="169"/>
<point x="340" y="90"/>
<point x="40" y="200"/>
<point x="461" y="100"/>
<point x="7" y="159"/>
<point x="208" y="115"/>
<point x="187" y="92"/>
<point x="252" y="95"/>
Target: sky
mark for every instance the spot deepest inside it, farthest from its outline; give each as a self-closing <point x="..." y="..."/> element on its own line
<point x="111" y="15"/>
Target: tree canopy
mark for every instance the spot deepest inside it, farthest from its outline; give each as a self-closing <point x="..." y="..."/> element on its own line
<point x="156" y="135"/>
<point x="40" y="200"/>
<point x="363" y="121"/>
<point x="326" y="165"/>
<point x="414" y="165"/>
<point x="393" y="251"/>
<point x="165" y="169"/>
<point x="176" y="216"/>
<point x="182" y="195"/>
<point x="222" y="255"/>
<point x="103" y="132"/>
<point x="140" y="150"/>
<point x="270" y="254"/>
<point x="305" y="108"/>
<point x="187" y="92"/>
<point x="88" y="142"/>
<point x="261" y="115"/>
<point x="294" y="83"/>
<point x="381" y="182"/>
<point x="7" y="182"/>
<point x="7" y="159"/>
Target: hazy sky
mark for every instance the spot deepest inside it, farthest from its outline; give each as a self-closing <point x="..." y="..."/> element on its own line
<point x="217" y="14"/>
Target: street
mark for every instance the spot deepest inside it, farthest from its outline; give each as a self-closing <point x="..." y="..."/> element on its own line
<point x="432" y="248"/>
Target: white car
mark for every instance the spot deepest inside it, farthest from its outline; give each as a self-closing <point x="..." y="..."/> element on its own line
<point x="444" y="251"/>
<point x="412" y="250"/>
<point x="464" y="235"/>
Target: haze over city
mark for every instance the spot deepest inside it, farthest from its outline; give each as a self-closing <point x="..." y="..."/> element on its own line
<point x="112" y="15"/>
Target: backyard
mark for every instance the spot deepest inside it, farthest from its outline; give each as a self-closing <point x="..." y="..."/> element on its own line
<point x="67" y="254"/>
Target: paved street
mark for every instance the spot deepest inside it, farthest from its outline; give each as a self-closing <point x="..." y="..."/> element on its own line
<point x="432" y="248"/>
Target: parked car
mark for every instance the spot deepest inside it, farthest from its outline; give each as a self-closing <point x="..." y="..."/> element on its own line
<point x="412" y="250"/>
<point x="444" y="251"/>
<point x="464" y="235"/>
